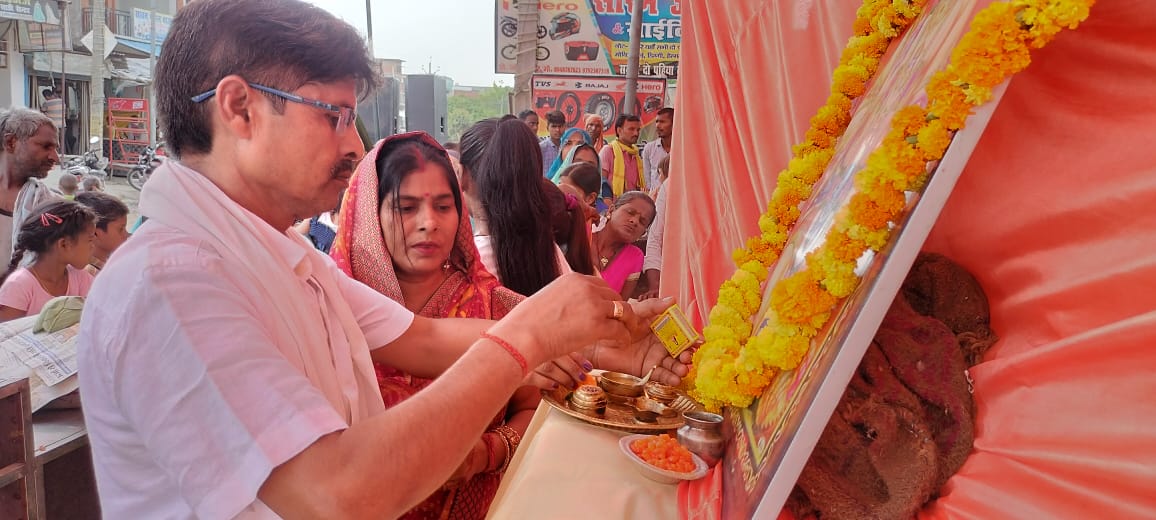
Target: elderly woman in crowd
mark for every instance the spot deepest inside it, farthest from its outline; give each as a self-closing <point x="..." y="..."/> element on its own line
<point x="594" y="125"/>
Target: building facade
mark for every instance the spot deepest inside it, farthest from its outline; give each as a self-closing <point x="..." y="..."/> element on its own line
<point x="89" y="51"/>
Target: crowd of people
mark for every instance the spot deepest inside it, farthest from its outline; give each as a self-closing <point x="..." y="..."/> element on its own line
<point x="618" y="187"/>
<point x="55" y="240"/>
<point x="289" y="309"/>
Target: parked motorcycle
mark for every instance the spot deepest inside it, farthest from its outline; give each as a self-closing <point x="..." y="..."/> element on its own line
<point x="146" y="162"/>
<point x="91" y="163"/>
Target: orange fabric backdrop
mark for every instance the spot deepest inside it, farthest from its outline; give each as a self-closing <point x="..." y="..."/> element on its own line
<point x="1055" y="214"/>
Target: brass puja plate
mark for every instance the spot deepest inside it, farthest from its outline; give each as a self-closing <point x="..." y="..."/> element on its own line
<point x="618" y="415"/>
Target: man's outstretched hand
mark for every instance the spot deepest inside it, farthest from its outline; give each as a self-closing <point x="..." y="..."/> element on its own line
<point x="644" y="350"/>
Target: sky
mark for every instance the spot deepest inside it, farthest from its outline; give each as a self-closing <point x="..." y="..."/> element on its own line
<point x="456" y="36"/>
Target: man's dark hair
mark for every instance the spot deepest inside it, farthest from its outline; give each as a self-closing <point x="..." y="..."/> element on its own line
<point x="555" y="117"/>
<point x="666" y="111"/>
<point x="49" y="92"/>
<point x="526" y="113"/>
<point x="281" y="44"/>
<point x="622" y="119"/>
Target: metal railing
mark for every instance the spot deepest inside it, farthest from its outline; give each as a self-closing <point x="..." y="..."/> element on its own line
<point x="119" y="21"/>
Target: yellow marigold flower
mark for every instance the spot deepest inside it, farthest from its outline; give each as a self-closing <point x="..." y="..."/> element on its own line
<point x="767" y="224"/>
<point x="742" y="254"/>
<point x="781" y="351"/>
<point x="839" y="278"/>
<point x="876" y="239"/>
<point x="755" y="268"/>
<point x="934" y="140"/>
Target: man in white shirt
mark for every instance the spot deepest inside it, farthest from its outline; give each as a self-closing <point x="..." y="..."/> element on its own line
<point x="656" y="150"/>
<point x="29" y="148"/>
<point x="226" y="365"/>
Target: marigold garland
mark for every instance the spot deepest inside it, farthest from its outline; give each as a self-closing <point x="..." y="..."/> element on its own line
<point x="732" y="368"/>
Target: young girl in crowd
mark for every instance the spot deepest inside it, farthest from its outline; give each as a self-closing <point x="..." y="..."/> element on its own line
<point x="584" y="181"/>
<point x="59" y="233"/>
<point x="618" y="257"/>
<point x="111" y="226"/>
<point x="502" y="181"/>
<point x="585" y="154"/>
<point x="570" y="219"/>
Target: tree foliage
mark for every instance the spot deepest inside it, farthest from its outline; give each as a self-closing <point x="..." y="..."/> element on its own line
<point x="466" y="108"/>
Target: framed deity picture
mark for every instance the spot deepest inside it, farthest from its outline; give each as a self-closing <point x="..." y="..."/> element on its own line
<point x="772" y="439"/>
<point x="3" y="54"/>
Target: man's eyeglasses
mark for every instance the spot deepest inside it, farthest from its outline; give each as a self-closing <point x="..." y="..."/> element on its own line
<point x="345" y="115"/>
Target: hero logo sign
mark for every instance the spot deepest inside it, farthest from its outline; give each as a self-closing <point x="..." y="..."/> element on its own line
<point x="557" y="6"/>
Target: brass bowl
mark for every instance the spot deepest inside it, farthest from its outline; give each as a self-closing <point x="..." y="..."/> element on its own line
<point x="648" y="410"/>
<point x="589" y="400"/>
<point x="662" y="393"/>
<point x="620" y="385"/>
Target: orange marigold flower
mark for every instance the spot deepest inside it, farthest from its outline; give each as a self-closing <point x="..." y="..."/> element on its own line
<point x="850" y="80"/>
<point x="909" y="119"/>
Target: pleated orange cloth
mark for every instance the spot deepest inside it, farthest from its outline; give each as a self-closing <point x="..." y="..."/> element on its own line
<point x="1056" y="216"/>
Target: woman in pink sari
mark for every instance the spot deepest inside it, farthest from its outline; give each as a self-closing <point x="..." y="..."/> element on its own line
<point x="618" y="258"/>
<point x="404" y="231"/>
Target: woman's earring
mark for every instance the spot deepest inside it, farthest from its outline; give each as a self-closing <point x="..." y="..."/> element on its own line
<point x="446" y="266"/>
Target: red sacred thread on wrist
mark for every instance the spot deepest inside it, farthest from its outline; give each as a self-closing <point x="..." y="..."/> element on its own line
<point x="509" y="348"/>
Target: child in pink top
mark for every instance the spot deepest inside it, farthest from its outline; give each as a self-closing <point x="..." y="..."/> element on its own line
<point x="60" y="234"/>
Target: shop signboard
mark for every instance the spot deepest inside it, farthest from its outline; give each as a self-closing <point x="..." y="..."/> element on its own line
<point x="40" y="28"/>
<point x="575" y="96"/>
<point x="143" y="24"/>
<point x="40" y="11"/>
<point x="592" y="38"/>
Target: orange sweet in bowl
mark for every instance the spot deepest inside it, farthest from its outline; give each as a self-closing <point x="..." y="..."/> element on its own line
<point x="662" y="459"/>
<point x="664" y="452"/>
